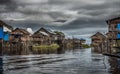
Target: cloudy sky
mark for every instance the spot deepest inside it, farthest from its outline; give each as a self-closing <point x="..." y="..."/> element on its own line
<point x="79" y="18"/>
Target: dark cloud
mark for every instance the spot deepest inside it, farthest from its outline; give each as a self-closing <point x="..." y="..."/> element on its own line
<point x="71" y="16"/>
<point x="60" y="21"/>
<point x="5" y="1"/>
<point x="78" y="24"/>
<point x="7" y="6"/>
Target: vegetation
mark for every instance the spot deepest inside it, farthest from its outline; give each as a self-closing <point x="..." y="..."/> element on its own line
<point x="57" y="32"/>
<point x="46" y="48"/>
<point x="86" y="46"/>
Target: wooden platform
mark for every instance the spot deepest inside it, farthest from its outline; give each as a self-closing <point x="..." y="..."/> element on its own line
<point x="111" y="55"/>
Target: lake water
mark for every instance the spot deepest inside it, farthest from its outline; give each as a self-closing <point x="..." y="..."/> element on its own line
<point x="77" y="61"/>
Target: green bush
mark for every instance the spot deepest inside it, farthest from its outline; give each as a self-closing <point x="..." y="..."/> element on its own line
<point x="46" y="48"/>
<point x="53" y="46"/>
<point x="85" y="46"/>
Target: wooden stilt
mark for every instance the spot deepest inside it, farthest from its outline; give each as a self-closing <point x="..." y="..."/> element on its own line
<point x="1" y="47"/>
<point x="1" y="53"/>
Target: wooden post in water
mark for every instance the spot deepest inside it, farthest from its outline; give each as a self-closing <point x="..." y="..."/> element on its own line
<point x="1" y="47"/>
<point x="73" y="41"/>
<point x="1" y="61"/>
<point x="1" y="65"/>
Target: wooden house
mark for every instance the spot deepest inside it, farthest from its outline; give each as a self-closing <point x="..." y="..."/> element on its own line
<point x="19" y="34"/>
<point x="68" y="43"/>
<point x="44" y="36"/>
<point x="76" y="42"/>
<point x="99" y="42"/>
<point x="82" y="40"/>
<point x="114" y="28"/>
<point x="41" y="38"/>
<point x="5" y="30"/>
<point x="20" y="41"/>
<point x="113" y="34"/>
<point x="59" y="37"/>
<point x="52" y="35"/>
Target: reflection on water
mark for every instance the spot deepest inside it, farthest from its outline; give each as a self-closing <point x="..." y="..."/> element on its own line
<point x="115" y="65"/>
<point x="1" y="65"/>
<point x="77" y="61"/>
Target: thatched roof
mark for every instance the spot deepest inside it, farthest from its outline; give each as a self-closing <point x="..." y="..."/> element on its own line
<point x="44" y="31"/>
<point x="39" y="34"/>
<point x="98" y="34"/>
<point x="113" y="19"/>
<point x="22" y="30"/>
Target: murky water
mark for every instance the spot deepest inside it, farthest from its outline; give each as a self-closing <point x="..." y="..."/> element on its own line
<point x="78" y="61"/>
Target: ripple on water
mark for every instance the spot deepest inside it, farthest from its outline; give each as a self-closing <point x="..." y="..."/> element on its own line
<point x="79" y="61"/>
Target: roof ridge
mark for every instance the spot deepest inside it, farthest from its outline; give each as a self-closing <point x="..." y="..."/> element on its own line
<point x="9" y="26"/>
<point x="23" y="30"/>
